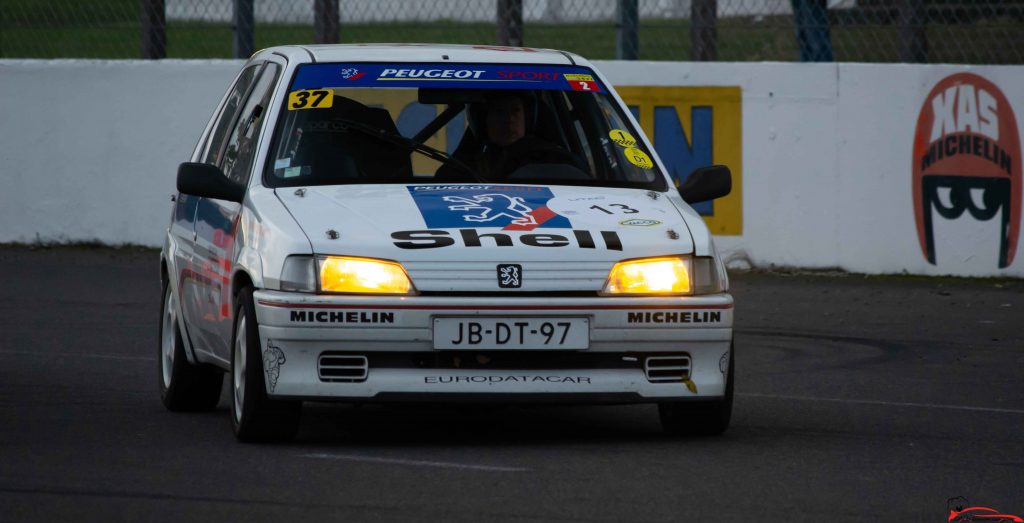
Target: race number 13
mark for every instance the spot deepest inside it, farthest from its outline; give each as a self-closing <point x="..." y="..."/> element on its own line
<point x="310" y="99"/>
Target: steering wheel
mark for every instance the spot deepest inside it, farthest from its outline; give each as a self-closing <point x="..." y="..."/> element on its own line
<point x="532" y="150"/>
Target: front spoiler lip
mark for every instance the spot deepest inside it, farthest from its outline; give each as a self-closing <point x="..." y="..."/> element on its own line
<point x="298" y="379"/>
<point x="499" y="399"/>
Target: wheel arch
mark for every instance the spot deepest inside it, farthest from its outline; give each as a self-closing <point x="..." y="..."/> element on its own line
<point x="172" y="285"/>
<point x="240" y="280"/>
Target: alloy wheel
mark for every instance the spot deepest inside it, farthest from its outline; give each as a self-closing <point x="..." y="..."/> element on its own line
<point x="238" y="369"/>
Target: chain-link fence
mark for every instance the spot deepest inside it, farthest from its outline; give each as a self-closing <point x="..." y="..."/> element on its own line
<point x="954" y="31"/>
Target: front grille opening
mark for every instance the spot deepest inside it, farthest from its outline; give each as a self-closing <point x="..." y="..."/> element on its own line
<point x="667" y="369"/>
<point x="346" y="367"/>
<point x="342" y="367"/>
<point x="512" y="360"/>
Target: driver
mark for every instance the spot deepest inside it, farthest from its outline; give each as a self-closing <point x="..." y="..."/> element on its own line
<point x="503" y="122"/>
<point x="505" y="119"/>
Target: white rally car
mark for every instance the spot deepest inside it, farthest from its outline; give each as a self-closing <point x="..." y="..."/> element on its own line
<point x="374" y="223"/>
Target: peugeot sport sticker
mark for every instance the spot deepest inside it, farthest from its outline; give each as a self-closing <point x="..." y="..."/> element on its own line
<point x="446" y="75"/>
<point x="509" y="207"/>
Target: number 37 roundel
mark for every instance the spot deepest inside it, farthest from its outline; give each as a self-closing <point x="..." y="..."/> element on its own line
<point x="966" y="163"/>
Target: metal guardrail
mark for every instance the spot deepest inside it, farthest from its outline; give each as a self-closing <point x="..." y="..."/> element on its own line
<point x="954" y="31"/>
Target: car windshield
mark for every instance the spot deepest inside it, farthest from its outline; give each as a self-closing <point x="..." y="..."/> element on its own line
<point x="455" y="123"/>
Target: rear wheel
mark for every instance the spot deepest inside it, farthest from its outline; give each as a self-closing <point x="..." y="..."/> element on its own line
<point x="183" y="386"/>
<point x="255" y="417"/>
<point x="703" y="417"/>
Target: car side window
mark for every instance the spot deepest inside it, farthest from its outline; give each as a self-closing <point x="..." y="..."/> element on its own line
<point x="229" y="113"/>
<point x="241" y="149"/>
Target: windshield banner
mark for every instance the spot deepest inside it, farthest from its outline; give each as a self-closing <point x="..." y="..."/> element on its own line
<point x="445" y="75"/>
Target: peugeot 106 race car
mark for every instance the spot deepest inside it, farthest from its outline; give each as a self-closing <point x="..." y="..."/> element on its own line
<point x="371" y="223"/>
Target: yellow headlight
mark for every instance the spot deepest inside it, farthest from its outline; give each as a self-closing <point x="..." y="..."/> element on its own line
<point x="650" y="276"/>
<point x="343" y="274"/>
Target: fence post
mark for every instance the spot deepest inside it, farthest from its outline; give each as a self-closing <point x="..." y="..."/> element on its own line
<point x="510" y="22"/>
<point x="325" y="21"/>
<point x="703" y="30"/>
<point x="913" y="37"/>
<point x="244" y="44"/>
<point x="812" y="30"/>
<point x="154" y="29"/>
<point x="627" y="40"/>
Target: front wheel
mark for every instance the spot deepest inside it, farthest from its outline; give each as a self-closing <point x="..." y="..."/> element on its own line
<point x="255" y="417"/>
<point x="700" y="417"/>
<point x="183" y="386"/>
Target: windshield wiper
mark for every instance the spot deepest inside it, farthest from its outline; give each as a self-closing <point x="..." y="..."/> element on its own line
<point x="410" y="144"/>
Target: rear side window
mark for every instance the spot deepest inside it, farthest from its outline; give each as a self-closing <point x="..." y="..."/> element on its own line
<point x="229" y="113"/>
<point x="241" y="148"/>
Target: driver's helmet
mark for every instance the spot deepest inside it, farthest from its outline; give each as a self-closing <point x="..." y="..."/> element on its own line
<point x="477" y="111"/>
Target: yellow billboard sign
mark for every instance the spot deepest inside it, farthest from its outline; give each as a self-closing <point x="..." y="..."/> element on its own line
<point x="692" y="127"/>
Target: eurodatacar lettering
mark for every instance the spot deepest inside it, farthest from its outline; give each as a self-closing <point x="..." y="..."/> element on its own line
<point x="342" y="317"/>
<point x="506" y="379"/>
<point x="675" y="317"/>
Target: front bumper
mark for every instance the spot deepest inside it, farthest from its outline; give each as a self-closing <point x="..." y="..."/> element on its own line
<point x="395" y="335"/>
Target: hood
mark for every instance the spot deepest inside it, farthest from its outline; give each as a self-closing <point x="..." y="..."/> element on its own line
<point x="463" y="226"/>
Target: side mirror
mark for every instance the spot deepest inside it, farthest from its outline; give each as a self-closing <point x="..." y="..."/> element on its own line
<point x="706" y="183"/>
<point x="201" y="179"/>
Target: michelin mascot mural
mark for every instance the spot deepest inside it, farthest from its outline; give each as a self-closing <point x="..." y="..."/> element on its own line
<point x="967" y="176"/>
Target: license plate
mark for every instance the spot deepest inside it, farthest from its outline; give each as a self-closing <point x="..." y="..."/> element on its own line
<point x="511" y="333"/>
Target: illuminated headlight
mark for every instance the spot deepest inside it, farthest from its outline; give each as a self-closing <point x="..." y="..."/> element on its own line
<point x="362" y="275"/>
<point x="668" y="276"/>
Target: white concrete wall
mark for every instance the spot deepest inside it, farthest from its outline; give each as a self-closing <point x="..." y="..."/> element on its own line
<point x="827" y="161"/>
<point x="790" y="142"/>
<point x="877" y="112"/>
<point x="89" y="150"/>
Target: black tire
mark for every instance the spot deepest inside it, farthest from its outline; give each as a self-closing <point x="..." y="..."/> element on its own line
<point x="700" y="418"/>
<point x="183" y="386"/>
<point x="254" y="416"/>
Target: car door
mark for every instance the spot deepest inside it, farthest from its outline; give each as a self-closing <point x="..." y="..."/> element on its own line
<point x="180" y="248"/>
<point x="217" y="220"/>
<point x="195" y="282"/>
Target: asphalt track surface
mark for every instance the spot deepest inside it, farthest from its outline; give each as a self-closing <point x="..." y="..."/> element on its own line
<point x="857" y="399"/>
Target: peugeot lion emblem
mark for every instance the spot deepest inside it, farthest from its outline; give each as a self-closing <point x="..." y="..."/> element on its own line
<point x="510" y="275"/>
